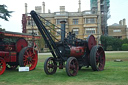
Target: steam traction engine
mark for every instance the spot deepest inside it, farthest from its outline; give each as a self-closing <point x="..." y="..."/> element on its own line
<point x="75" y="52"/>
<point x="14" y="51"/>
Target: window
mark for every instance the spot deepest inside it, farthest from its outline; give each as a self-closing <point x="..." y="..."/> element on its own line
<point x="90" y="30"/>
<point x="35" y="32"/>
<point x="76" y="31"/>
<point x="118" y="37"/>
<point x="116" y="30"/>
<point x="58" y="13"/>
<point x="58" y="32"/>
<point x="75" y="21"/>
<point x="31" y="23"/>
<point x="90" y="20"/>
<point x="47" y="23"/>
<point x="58" y="21"/>
<point x="87" y="12"/>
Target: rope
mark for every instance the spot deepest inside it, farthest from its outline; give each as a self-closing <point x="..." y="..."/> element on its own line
<point x="44" y="21"/>
<point x="51" y="23"/>
<point x="49" y="32"/>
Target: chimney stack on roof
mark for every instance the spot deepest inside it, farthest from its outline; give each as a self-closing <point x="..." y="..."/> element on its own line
<point x="25" y="8"/>
<point x="121" y="22"/>
<point x="124" y="22"/>
<point x="62" y="8"/>
<point x="79" y="9"/>
<point x="43" y="3"/>
<point x="49" y="11"/>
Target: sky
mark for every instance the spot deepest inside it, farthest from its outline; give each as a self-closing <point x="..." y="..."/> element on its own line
<point x="118" y="10"/>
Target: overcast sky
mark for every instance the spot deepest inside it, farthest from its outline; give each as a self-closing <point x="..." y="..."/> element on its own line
<point x="118" y="10"/>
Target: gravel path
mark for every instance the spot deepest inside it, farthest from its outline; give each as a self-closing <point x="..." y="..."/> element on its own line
<point x="105" y="52"/>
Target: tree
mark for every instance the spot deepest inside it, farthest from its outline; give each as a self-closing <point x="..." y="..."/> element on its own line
<point x="41" y="43"/>
<point x="2" y="29"/>
<point x="111" y="43"/>
<point x="4" y="13"/>
<point x="125" y="47"/>
<point x="125" y="41"/>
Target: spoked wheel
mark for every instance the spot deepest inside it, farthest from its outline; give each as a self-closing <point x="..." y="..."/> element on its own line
<point x="50" y="66"/>
<point x="28" y="57"/>
<point x="72" y="66"/>
<point x="97" y="58"/>
<point x="2" y="65"/>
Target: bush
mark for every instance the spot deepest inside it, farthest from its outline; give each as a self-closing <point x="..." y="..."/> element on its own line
<point x="109" y="48"/>
<point x="125" y="47"/>
<point x="110" y="43"/>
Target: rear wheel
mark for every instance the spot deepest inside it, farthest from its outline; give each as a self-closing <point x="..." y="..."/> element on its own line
<point x="21" y="43"/>
<point x="97" y="58"/>
<point x="72" y="66"/>
<point x="50" y="66"/>
<point x="91" y="41"/>
<point x="2" y="66"/>
<point x="28" y="57"/>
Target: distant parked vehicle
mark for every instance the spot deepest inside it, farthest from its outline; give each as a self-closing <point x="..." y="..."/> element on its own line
<point x="14" y="51"/>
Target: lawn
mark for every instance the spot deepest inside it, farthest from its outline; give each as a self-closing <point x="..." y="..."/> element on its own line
<point x="115" y="73"/>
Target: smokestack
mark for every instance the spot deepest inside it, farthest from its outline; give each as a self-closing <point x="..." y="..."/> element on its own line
<point x="24" y="22"/>
<point x="79" y="9"/>
<point x="62" y="8"/>
<point x="121" y="22"/>
<point x="124" y="22"/>
<point x="49" y="11"/>
<point x="25" y="8"/>
<point x="43" y="7"/>
<point x="62" y="30"/>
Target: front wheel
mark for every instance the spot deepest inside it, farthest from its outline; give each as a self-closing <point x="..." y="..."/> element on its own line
<point x="72" y="66"/>
<point x="28" y="57"/>
<point x="2" y="66"/>
<point x="50" y="66"/>
<point x="97" y="58"/>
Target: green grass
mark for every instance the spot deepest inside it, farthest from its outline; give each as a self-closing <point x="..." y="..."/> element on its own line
<point x="115" y="73"/>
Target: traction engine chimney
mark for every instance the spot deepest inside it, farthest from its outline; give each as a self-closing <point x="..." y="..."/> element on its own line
<point x="62" y="30"/>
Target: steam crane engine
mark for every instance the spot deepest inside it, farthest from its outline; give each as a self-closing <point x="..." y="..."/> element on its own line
<point x="75" y="52"/>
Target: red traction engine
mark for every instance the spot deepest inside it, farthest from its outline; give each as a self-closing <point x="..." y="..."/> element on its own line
<point x="69" y="52"/>
<point x="14" y="51"/>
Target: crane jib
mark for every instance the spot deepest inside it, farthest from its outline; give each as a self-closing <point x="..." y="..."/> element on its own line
<point x="45" y="34"/>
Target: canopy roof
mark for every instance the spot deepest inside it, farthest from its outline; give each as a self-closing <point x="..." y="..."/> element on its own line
<point x="16" y="34"/>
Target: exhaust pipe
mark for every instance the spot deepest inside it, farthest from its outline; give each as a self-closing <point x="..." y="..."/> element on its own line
<point x="62" y="30"/>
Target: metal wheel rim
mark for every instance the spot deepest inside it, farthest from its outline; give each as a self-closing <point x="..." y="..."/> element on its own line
<point x="30" y="59"/>
<point x="51" y="65"/>
<point x="100" y="58"/>
<point x="2" y="66"/>
<point x="73" y="67"/>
